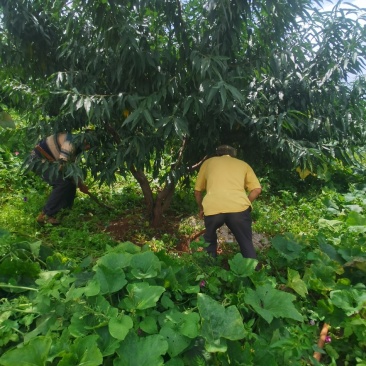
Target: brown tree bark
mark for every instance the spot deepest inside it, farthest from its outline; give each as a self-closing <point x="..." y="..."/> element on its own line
<point x="155" y="207"/>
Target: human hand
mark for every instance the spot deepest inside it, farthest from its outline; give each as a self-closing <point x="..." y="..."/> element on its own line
<point x="201" y="214"/>
<point x="83" y="188"/>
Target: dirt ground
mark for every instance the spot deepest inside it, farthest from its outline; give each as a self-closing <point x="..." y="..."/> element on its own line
<point x="134" y="228"/>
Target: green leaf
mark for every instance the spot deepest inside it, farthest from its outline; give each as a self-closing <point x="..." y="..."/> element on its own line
<point x="110" y="280"/>
<point x="119" y="326"/>
<point x="176" y="341"/>
<point x="334" y="225"/>
<point x="141" y="351"/>
<point x="6" y="121"/>
<point x="141" y="296"/>
<point x="270" y="303"/>
<point x="83" y="352"/>
<point x="149" y="325"/>
<point x="33" y="353"/>
<point x="148" y="117"/>
<point x="92" y="288"/>
<point x="115" y="260"/>
<point x="109" y="272"/>
<point x="218" y="322"/>
<point x="296" y="283"/>
<point x="87" y="105"/>
<point x="223" y="97"/>
<point x="187" y="322"/>
<point x="242" y="267"/>
<point x="106" y="343"/>
<point x="287" y="246"/>
<point x="350" y="300"/>
<point x="145" y="265"/>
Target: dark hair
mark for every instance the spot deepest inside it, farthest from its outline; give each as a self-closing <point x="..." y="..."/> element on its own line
<point x="226" y="150"/>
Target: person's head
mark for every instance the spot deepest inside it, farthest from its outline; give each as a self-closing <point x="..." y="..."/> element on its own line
<point x="226" y="150"/>
<point x="82" y="142"/>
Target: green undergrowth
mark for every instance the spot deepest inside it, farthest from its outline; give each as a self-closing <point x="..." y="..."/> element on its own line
<point x="72" y="295"/>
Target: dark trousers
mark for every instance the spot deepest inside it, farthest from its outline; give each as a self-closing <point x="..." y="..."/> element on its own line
<point x="240" y="224"/>
<point x="62" y="195"/>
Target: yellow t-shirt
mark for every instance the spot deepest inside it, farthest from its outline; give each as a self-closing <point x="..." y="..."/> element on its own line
<point x="226" y="181"/>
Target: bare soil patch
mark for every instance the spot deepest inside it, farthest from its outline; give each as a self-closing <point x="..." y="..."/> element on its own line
<point x="134" y="227"/>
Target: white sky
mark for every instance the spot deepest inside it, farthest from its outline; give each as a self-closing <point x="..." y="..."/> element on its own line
<point x="328" y="4"/>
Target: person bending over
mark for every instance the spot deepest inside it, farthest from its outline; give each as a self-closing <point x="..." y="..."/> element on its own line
<point x="231" y="186"/>
<point x="58" y="147"/>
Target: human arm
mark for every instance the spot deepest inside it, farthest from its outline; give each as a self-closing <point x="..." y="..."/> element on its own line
<point x="83" y="188"/>
<point x="198" y="195"/>
<point x="254" y="193"/>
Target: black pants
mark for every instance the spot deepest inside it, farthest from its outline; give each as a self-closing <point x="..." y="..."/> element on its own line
<point x="240" y="224"/>
<point x="62" y="195"/>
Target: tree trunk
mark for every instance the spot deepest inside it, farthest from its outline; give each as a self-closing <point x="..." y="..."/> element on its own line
<point x="162" y="203"/>
<point x="155" y="207"/>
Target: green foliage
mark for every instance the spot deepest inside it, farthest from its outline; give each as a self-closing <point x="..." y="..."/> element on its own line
<point x="133" y="301"/>
<point x="72" y="295"/>
<point x="163" y="84"/>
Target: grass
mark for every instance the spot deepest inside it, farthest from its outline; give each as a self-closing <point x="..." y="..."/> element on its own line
<point x="87" y="228"/>
<point x="84" y="229"/>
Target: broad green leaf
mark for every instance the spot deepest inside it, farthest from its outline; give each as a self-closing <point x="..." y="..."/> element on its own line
<point x="242" y="267"/>
<point x="141" y="296"/>
<point x="296" y="283"/>
<point x="330" y="251"/>
<point x="177" y="341"/>
<point x="79" y="323"/>
<point x="187" y="322"/>
<point x="114" y="261"/>
<point x="87" y="352"/>
<point x="110" y="280"/>
<point x="270" y="303"/>
<point x="127" y="248"/>
<point x="33" y="353"/>
<point x="119" y="326"/>
<point x="287" y="246"/>
<point x="350" y="252"/>
<point x="320" y="276"/>
<point x="355" y="219"/>
<point x="83" y="352"/>
<point x="106" y="343"/>
<point x="6" y="121"/>
<point x="149" y="325"/>
<point x="354" y="208"/>
<point x="141" y="351"/>
<point x="352" y="301"/>
<point x="145" y="265"/>
<point x="218" y="322"/>
<point x="92" y="288"/>
<point x="179" y="362"/>
<point x="44" y="324"/>
<point x="334" y="225"/>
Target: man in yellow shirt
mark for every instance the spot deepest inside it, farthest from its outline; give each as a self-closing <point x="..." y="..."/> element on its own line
<point x="231" y="186"/>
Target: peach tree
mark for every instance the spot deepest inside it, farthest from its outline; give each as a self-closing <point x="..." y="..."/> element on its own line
<point x="163" y="82"/>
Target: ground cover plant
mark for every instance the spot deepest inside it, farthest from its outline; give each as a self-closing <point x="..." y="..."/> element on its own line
<point x="80" y="294"/>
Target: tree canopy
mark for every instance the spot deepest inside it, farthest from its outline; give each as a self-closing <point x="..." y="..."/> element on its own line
<point x="164" y="82"/>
